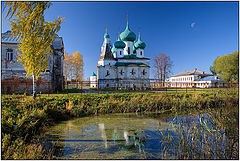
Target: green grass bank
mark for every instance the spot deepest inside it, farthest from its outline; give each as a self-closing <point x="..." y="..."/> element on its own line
<point x="24" y="118"/>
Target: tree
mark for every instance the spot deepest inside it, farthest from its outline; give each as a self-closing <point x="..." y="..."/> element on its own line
<point x="35" y="34"/>
<point x="67" y="66"/>
<point x="227" y="67"/>
<point x="73" y="66"/>
<point x="78" y="66"/>
<point x="162" y="66"/>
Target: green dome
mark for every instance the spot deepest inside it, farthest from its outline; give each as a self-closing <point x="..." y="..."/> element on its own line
<point x="106" y="35"/>
<point x="139" y="44"/>
<point x="127" y="35"/>
<point x="119" y="44"/>
<point x="113" y="49"/>
<point x="93" y="74"/>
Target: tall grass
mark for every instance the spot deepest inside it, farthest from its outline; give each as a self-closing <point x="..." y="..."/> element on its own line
<point x="213" y="135"/>
<point x="24" y="118"/>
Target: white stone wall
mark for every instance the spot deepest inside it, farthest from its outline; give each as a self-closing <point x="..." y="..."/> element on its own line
<point x="140" y="53"/>
<point x="93" y="81"/>
<point x="118" y="55"/>
<point x="130" y="45"/>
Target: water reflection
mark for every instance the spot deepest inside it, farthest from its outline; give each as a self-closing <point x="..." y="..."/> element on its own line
<point x="129" y="136"/>
<point x="103" y="134"/>
<point x="118" y="136"/>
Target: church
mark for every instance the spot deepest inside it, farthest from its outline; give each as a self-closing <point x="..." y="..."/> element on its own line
<point x="123" y="64"/>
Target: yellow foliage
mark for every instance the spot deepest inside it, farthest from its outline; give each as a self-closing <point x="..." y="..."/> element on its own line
<point x="69" y="105"/>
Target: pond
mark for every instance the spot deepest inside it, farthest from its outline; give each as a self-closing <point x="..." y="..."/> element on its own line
<point x="135" y="136"/>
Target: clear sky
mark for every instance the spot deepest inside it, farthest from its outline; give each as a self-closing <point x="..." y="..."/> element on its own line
<point x="193" y="34"/>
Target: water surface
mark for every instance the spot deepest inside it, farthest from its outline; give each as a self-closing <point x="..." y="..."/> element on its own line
<point x="114" y="136"/>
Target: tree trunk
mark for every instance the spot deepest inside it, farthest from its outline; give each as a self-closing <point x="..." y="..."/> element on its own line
<point x="34" y="86"/>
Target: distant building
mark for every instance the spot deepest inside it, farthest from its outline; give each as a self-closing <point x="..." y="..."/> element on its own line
<point x="123" y="65"/>
<point x="93" y="80"/>
<point x="195" y="78"/>
<point x="13" y="74"/>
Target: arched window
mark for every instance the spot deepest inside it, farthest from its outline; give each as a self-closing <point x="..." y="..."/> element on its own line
<point x="132" y="72"/>
<point x="9" y="54"/>
<point x="141" y="53"/>
<point x="128" y="50"/>
<point x="120" y="52"/>
<point x="144" y="72"/>
<point x="108" y="73"/>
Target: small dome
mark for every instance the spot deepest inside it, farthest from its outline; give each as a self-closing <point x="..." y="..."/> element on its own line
<point x="113" y="49"/>
<point x="106" y="35"/>
<point x="128" y="35"/>
<point x="139" y="44"/>
<point x="93" y="74"/>
<point x="119" y="44"/>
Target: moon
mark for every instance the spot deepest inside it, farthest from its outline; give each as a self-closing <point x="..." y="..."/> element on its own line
<point x="193" y="24"/>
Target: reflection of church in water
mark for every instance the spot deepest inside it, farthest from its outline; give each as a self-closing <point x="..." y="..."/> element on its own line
<point x="123" y="65"/>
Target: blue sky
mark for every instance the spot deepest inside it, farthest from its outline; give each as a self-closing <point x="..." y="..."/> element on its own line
<point x="193" y="34"/>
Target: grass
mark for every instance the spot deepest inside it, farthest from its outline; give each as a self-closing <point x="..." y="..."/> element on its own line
<point x="24" y="118"/>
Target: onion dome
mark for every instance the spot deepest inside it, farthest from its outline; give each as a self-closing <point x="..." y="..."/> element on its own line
<point x="119" y="43"/>
<point x="113" y="49"/>
<point x="128" y="35"/>
<point x="139" y="43"/>
<point x="106" y="35"/>
<point x="93" y="74"/>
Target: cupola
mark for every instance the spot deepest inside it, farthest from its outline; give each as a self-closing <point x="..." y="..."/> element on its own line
<point x="119" y="43"/>
<point x="139" y="43"/>
<point x="128" y="35"/>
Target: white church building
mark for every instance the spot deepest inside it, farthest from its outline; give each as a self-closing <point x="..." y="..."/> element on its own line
<point x="123" y="64"/>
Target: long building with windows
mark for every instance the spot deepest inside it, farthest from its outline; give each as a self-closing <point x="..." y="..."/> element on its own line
<point x="13" y="74"/>
<point x="195" y="78"/>
<point x="123" y="64"/>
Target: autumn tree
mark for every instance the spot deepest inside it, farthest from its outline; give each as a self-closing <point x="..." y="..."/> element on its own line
<point x="78" y="66"/>
<point x="162" y="66"/>
<point x="227" y="67"/>
<point x="35" y="34"/>
<point x="73" y="66"/>
<point x="67" y="66"/>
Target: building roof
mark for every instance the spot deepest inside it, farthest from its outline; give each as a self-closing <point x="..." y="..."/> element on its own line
<point x="193" y="72"/>
<point x="93" y="74"/>
<point x="128" y="35"/>
<point x="132" y="57"/>
<point x="106" y="52"/>
<point x="139" y="43"/>
<point x="119" y="43"/>
<point x="209" y="78"/>
<point x="130" y="63"/>
<point x="8" y="38"/>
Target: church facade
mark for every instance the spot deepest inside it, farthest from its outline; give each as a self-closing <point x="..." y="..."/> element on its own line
<point x="123" y="64"/>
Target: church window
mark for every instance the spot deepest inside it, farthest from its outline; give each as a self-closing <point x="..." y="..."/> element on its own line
<point x="144" y="72"/>
<point x="128" y="50"/>
<point x="9" y="54"/>
<point x="132" y="72"/>
<point x="120" y="52"/>
<point x="108" y="73"/>
<point x="141" y="53"/>
<point x="121" y="72"/>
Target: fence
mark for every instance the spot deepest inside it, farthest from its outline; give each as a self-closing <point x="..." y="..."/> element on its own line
<point x="24" y="86"/>
<point x="154" y="86"/>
